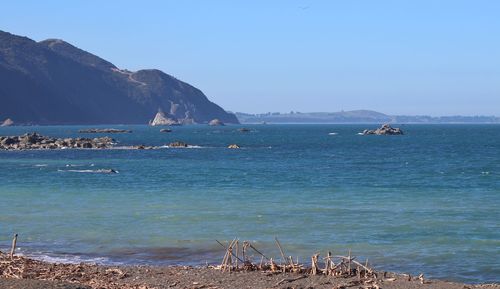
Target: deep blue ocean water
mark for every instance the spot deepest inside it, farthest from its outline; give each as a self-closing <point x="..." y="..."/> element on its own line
<point x="426" y="202"/>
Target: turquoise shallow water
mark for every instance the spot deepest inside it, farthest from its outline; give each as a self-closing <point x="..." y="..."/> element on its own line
<point x="423" y="202"/>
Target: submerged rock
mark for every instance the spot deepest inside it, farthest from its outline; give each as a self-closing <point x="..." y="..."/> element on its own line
<point x="216" y="122"/>
<point x="7" y="122"/>
<point x="385" y="129"/>
<point x="104" y="130"/>
<point x="243" y="129"/>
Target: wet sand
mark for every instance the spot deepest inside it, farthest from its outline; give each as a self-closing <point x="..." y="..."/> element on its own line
<point x="30" y="274"/>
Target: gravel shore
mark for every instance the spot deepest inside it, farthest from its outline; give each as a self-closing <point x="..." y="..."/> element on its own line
<point x="30" y="274"/>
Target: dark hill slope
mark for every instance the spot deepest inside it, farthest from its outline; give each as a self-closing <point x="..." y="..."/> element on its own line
<point x="53" y="82"/>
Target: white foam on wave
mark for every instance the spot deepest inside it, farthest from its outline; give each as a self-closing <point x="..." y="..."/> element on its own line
<point x="79" y="165"/>
<point x="70" y="259"/>
<point x="188" y="147"/>
<point x="99" y="171"/>
<point x="41" y="165"/>
<point x="332" y="133"/>
<point x="359" y="133"/>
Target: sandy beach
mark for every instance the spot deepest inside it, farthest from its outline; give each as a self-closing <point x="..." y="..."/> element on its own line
<point x="27" y="273"/>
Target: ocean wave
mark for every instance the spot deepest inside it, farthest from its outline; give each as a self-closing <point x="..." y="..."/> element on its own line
<point x="79" y="165"/>
<point x="188" y="147"/>
<point x="332" y="133"/>
<point x="99" y="171"/>
<point x="69" y="259"/>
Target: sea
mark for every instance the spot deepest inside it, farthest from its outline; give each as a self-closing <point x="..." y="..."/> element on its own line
<point x="424" y="202"/>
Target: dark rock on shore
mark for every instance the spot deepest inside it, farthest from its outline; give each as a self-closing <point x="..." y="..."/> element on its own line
<point x="104" y="130"/>
<point x="7" y="122"/>
<point x="385" y="129"/>
<point x="216" y="122"/>
<point x="34" y="141"/>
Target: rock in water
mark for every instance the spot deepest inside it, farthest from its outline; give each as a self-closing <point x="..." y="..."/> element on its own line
<point x="233" y="146"/>
<point x="34" y="141"/>
<point x="104" y="130"/>
<point x="216" y="122"/>
<point x="243" y="129"/>
<point x="7" y="122"/>
<point x="162" y="119"/>
<point x="178" y="144"/>
<point x="385" y="129"/>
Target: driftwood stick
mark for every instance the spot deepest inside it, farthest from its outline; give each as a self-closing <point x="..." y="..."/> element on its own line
<point x="230" y="256"/>
<point x="349" y="265"/>
<point x="355" y="262"/>
<point x="291" y="262"/>
<point x="251" y="246"/>
<point x="314" y="261"/>
<point x="327" y="262"/>
<point x="227" y="250"/>
<point x="290" y="279"/>
<point x="243" y="250"/>
<point x="13" y="249"/>
<point x="226" y="261"/>
<point x="237" y="249"/>
<point x="281" y="251"/>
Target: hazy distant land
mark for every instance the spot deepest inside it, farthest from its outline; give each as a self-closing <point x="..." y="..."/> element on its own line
<point x="358" y="116"/>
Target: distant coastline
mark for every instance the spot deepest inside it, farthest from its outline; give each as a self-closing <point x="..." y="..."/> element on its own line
<point x="359" y="117"/>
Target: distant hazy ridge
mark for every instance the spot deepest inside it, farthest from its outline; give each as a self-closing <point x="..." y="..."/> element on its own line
<point x="53" y="82"/>
<point x="357" y="116"/>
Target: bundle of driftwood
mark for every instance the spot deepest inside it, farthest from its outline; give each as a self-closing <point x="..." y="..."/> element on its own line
<point x="237" y="258"/>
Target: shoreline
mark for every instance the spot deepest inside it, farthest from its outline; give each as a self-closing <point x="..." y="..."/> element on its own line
<point x="21" y="272"/>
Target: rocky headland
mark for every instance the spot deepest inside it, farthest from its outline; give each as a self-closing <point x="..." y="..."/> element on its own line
<point x="42" y="84"/>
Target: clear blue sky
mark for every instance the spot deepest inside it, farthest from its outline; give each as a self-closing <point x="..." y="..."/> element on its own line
<point x="398" y="57"/>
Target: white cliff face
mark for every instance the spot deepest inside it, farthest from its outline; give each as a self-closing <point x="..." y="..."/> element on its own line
<point x="162" y="119"/>
<point x="7" y="122"/>
<point x="215" y="122"/>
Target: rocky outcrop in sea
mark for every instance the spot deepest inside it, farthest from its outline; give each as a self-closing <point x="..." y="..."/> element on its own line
<point x="35" y="141"/>
<point x="104" y="130"/>
<point x="7" y="122"/>
<point x="162" y="119"/>
<point x="178" y="144"/>
<point x="216" y="122"/>
<point x="385" y="129"/>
